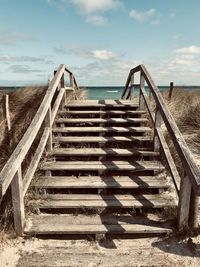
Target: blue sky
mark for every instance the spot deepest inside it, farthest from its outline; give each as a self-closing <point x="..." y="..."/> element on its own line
<point x="99" y="40"/>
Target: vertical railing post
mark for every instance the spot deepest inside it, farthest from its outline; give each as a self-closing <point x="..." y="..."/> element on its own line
<point x="18" y="202"/>
<point x="171" y="90"/>
<point x="142" y="86"/>
<point x="62" y="83"/>
<point x="158" y="121"/>
<point x="184" y="203"/>
<point x="6" y="112"/>
<point x="71" y="80"/>
<point x="194" y="209"/>
<point x="47" y="122"/>
<point x="131" y="89"/>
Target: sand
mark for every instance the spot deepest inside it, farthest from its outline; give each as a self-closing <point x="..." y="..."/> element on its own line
<point x="36" y="252"/>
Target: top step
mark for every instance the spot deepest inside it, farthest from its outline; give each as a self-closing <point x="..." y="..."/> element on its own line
<point x="103" y="103"/>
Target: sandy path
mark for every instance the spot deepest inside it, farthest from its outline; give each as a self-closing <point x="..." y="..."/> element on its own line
<point x="136" y="252"/>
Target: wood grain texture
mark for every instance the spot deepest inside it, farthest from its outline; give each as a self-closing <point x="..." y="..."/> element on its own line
<point x="73" y="201"/>
<point x="66" y="224"/>
<point x="102" y="152"/>
<point x="18" y="202"/>
<point x="91" y="129"/>
<point x="25" y="143"/>
<point x="101" y="182"/>
<point x="105" y="165"/>
<point x="102" y="139"/>
<point x="35" y="161"/>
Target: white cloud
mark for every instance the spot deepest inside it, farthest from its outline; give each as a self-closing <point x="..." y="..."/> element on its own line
<point x="13" y="37"/>
<point x="186" y="56"/>
<point x="25" y="69"/>
<point x="97" y="20"/>
<point x="91" y="9"/>
<point x="142" y="16"/>
<point x="95" y="6"/>
<point x="10" y="58"/>
<point x="86" y="52"/>
<point x="103" y="54"/>
<point x="188" y="50"/>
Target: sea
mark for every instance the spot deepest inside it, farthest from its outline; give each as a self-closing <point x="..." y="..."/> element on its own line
<point x="107" y="92"/>
<point x="113" y="92"/>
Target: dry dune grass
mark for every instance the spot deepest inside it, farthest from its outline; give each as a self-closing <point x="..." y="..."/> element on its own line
<point x="23" y="105"/>
<point x="185" y="107"/>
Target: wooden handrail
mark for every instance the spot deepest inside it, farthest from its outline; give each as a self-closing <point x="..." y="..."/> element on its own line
<point x="14" y="162"/>
<point x="12" y="174"/>
<point x="188" y="187"/>
<point x="183" y="151"/>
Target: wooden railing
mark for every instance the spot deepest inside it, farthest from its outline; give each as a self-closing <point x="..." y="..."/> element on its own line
<point x="11" y="174"/>
<point x="188" y="186"/>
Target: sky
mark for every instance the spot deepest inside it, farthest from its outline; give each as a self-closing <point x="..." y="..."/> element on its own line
<point x="99" y="40"/>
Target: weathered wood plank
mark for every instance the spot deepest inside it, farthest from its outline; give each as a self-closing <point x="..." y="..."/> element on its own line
<point x="47" y="123"/>
<point x="102" y="139"/>
<point x="170" y="162"/>
<point x="142" y="87"/>
<point x="139" y="129"/>
<point x="65" y="224"/>
<point x="102" y="152"/>
<point x="18" y="202"/>
<point x="184" y="204"/>
<point x="99" y="120"/>
<point x="106" y="105"/>
<point x="194" y="210"/>
<point x="35" y="161"/>
<point x="105" y="165"/>
<point x="101" y="182"/>
<point x="57" y="105"/>
<point x="148" y="105"/>
<point x="6" y="112"/>
<point x="25" y="143"/>
<point x="102" y="201"/>
<point x="98" y="112"/>
<point x="184" y="153"/>
<point x="158" y="122"/>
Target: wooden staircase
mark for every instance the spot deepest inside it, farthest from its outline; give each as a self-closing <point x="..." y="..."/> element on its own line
<point x="102" y="175"/>
<point x="99" y="166"/>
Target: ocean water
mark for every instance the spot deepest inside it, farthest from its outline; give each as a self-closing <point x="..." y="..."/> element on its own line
<point x="115" y="92"/>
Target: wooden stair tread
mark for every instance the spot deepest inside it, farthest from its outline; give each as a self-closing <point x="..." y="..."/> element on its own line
<point x="103" y="103"/>
<point x="102" y="165"/>
<point x="73" y="201"/>
<point x="101" y="152"/>
<point x="101" y="182"/>
<point x="138" y="129"/>
<point x="100" y="139"/>
<point x="98" y="224"/>
<point x="100" y="120"/>
<point x="101" y="112"/>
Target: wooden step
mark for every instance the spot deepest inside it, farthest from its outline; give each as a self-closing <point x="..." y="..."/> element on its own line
<point x="99" y="139"/>
<point x="101" y="129"/>
<point x="98" y="224"/>
<point x="99" y="120"/>
<point x="102" y="152"/>
<point x="101" y="112"/>
<point x="103" y="165"/>
<point x="103" y="104"/>
<point x="92" y="201"/>
<point x="125" y="182"/>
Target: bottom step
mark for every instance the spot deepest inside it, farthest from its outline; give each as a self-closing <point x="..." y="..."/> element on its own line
<point x="98" y="224"/>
